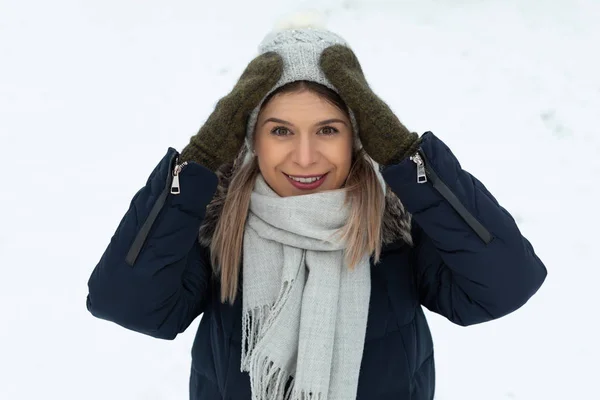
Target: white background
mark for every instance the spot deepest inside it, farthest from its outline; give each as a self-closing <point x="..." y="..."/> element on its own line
<point x="92" y="93"/>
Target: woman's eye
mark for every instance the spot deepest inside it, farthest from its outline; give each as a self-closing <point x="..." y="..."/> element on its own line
<point x="280" y="131"/>
<point x="329" y="130"/>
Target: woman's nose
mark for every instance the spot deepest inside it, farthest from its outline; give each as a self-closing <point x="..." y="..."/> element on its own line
<point x="305" y="152"/>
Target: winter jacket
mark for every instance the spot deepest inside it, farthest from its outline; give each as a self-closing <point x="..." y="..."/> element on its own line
<point x="468" y="262"/>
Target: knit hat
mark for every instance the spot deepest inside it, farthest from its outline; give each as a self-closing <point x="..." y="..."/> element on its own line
<point x="300" y="50"/>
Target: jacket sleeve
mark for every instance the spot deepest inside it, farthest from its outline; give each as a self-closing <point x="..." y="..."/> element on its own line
<point x="471" y="262"/>
<point x="154" y="276"/>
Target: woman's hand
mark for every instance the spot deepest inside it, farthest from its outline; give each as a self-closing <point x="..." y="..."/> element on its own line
<point x="383" y="136"/>
<point x="220" y="139"/>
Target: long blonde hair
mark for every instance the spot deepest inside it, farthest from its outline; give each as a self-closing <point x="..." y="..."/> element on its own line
<point x="364" y="195"/>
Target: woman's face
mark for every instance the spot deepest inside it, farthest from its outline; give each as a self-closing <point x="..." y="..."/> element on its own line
<point x="301" y="135"/>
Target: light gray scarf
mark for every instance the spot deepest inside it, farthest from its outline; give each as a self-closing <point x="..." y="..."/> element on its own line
<point x="304" y="311"/>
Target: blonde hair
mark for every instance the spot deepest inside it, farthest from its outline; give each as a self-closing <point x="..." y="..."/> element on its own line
<point x="364" y="195"/>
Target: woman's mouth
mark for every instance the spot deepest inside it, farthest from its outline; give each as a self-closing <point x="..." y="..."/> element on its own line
<point x="306" y="183"/>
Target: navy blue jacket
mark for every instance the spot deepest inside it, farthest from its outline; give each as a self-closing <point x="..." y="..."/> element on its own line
<point x="470" y="264"/>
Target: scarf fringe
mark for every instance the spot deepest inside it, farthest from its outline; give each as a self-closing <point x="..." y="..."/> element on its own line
<point x="257" y="320"/>
<point x="268" y="382"/>
<point x="252" y="323"/>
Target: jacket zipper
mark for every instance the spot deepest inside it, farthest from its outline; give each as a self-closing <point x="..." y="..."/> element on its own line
<point x="425" y="173"/>
<point x="175" y="188"/>
<point x="171" y="186"/>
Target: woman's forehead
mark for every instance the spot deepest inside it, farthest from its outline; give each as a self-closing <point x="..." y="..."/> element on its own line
<point x="301" y="104"/>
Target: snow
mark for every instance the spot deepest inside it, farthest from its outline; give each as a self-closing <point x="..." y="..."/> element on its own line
<point x="93" y="93"/>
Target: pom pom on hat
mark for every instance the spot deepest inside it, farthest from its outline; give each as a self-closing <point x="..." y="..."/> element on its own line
<point x="305" y="29"/>
<point x="300" y="20"/>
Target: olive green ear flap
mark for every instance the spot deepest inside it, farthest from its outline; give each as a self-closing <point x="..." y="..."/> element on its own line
<point x="221" y="137"/>
<point x="385" y="139"/>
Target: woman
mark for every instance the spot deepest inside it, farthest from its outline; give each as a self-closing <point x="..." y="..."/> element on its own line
<point x="309" y="226"/>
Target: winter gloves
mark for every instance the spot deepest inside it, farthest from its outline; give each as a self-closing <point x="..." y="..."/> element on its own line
<point x="383" y="136"/>
<point x="221" y="137"/>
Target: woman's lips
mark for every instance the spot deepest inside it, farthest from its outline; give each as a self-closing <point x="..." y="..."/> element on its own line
<point x="307" y="186"/>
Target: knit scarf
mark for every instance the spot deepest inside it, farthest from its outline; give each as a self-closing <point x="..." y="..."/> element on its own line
<point x="304" y="310"/>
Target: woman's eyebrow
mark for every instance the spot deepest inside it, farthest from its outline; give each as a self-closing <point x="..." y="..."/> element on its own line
<point x="331" y="121"/>
<point x="277" y="121"/>
<point x="325" y="122"/>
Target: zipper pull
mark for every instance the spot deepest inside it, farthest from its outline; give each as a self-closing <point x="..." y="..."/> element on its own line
<point x="421" y="174"/>
<point x="175" y="188"/>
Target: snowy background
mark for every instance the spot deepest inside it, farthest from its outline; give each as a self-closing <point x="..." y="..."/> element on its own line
<point x="92" y="94"/>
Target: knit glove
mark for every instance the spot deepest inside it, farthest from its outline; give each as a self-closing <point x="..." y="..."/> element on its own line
<point x="383" y="136"/>
<point x="222" y="136"/>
